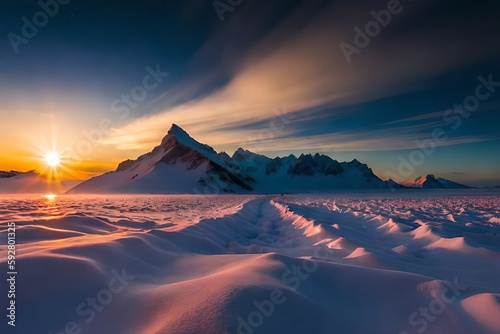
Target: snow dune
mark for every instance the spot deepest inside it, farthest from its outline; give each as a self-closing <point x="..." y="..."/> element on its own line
<point x="255" y="264"/>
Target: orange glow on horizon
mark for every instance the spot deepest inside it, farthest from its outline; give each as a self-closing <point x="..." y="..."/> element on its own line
<point x="50" y="160"/>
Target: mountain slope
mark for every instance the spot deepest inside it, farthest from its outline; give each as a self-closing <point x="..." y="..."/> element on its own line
<point x="179" y="164"/>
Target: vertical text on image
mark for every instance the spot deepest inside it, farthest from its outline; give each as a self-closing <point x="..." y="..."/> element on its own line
<point x="11" y="273"/>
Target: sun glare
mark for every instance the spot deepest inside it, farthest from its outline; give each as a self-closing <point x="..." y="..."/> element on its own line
<point x="50" y="197"/>
<point x="53" y="162"/>
<point x="53" y="159"/>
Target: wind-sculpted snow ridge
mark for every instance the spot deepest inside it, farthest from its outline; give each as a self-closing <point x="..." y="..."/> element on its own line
<point x="256" y="264"/>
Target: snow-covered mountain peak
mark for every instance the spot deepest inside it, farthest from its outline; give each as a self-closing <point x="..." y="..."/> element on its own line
<point x="180" y="164"/>
<point x="177" y="135"/>
<point x="431" y="182"/>
<point x="241" y="154"/>
<point x="177" y="129"/>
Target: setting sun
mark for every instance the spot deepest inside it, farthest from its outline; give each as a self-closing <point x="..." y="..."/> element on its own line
<point x="53" y="159"/>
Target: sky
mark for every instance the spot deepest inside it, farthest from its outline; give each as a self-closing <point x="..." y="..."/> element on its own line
<point x="408" y="87"/>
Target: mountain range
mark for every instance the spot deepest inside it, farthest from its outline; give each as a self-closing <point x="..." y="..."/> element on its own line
<point x="180" y="164"/>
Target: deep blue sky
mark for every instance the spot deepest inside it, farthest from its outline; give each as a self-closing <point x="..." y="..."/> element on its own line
<point x="227" y="79"/>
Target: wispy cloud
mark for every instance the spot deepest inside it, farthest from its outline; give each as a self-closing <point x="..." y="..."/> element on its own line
<point x="437" y="114"/>
<point x="297" y="64"/>
<point x="490" y="106"/>
<point x="354" y="143"/>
